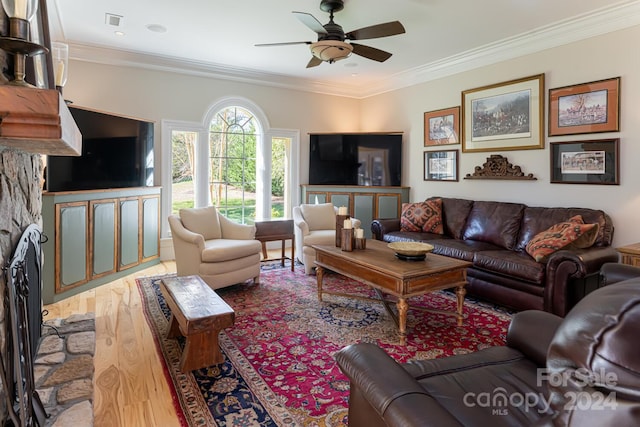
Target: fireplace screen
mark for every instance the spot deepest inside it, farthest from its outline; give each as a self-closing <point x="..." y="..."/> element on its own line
<point x="24" y="310"/>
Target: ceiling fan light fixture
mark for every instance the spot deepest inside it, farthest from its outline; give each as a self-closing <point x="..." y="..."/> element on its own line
<point x="331" y="50"/>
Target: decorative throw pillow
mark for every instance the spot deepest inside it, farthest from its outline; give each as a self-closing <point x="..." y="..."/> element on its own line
<point x="573" y="233"/>
<point x="423" y="216"/>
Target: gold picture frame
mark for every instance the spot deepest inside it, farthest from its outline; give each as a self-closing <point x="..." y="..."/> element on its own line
<point x="504" y="116"/>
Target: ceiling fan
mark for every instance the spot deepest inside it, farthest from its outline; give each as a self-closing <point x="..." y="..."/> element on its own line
<point x="332" y="46"/>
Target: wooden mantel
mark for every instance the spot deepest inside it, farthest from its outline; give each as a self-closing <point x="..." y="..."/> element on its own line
<point x="37" y="121"/>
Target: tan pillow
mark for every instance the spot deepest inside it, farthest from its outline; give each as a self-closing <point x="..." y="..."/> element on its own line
<point x="203" y="221"/>
<point x="319" y="217"/>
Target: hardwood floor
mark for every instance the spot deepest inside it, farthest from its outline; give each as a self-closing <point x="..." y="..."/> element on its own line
<point x="130" y="387"/>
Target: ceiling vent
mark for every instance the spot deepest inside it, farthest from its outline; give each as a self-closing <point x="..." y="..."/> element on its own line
<point x="111" y="19"/>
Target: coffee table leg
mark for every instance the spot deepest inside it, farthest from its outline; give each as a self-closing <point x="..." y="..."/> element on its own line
<point x="319" y="274"/>
<point x="403" y="307"/>
<point x="460" y="293"/>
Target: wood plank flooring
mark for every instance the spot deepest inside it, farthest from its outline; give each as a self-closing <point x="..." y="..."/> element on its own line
<point x="130" y="387"/>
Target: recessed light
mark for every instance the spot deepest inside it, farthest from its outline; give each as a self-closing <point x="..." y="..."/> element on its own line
<point x="157" y="28"/>
<point x="119" y="33"/>
<point x="354" y="74"/>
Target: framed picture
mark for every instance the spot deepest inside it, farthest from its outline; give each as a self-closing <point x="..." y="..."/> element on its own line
<point x="442" y="127"/>
<point x="441" y="165"/>
<point x="585" y="162"/>
<point x="585" y="108"/>
<point x="504" y="116"/>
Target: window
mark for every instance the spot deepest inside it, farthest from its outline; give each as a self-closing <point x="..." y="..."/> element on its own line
<point x="183" y="147"/>
<point x="231" y="160"/>
<point x="232" y="164"/>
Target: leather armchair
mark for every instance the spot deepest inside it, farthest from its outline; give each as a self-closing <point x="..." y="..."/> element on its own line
<point x="582" y="370"/>
<point x="220" y="251"/>
<point x="315" y="224"/>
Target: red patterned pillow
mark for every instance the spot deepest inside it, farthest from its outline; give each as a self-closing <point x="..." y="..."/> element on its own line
<point x="423" y="216"/>
<point x="573" y="233"/>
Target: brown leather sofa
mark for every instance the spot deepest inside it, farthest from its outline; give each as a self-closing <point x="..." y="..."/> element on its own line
<point x="493" y="236"/>
<point x="580" y="371"/>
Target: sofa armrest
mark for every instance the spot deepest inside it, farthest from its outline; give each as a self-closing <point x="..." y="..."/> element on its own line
<point x="566" y="265"/>
<point x="234" y="230"/>
<point x="380" y="227"/>
<point x="180" y="232"/>
<point x="299" y="222"/>
<point x="395" y="396"/>
<point x="614" y="272"/>
<point x="531" y="332"/>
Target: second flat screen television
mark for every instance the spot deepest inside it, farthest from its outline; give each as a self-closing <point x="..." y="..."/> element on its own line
<point x="355" y="159"/>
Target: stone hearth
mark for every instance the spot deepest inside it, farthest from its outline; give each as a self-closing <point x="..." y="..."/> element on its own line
<point x="64" y="370"/>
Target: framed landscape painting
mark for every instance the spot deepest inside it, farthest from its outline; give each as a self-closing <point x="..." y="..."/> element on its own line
<point x="442" y="127"/>
<point x="585" y="162"/>
<point x="585" y="108"/>
<point x="504" y="116"/>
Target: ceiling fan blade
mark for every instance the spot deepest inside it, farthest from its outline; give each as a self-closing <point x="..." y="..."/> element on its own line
<point x="370" y="52"/>
<point x="310" y="21"/>
<point x="376" y="31"/>
<point x="280" y="44"/>
<point x="314" y="62"/>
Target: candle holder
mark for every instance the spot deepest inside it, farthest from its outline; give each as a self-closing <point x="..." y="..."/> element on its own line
<point x="339" y="226"/>
<point x="347" y="239"/>
<point x="17" y="43"/>
<point x="360" y="243"/>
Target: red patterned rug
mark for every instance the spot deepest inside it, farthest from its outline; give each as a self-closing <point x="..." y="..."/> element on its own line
<point x="279" y="368"/>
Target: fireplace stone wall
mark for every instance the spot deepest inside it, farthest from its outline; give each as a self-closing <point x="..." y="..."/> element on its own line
<point x="20" y="206"/>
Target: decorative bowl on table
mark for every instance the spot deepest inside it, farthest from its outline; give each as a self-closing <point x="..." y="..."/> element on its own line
<point x="410" y="251"/>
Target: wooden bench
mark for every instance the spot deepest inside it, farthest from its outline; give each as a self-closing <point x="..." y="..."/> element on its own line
<point x="199" y="314"/>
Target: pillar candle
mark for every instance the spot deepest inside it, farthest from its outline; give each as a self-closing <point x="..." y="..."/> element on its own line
<point x="342" y="210"/>
<point x="347" y="223"/>
<point x="359" y="233"/>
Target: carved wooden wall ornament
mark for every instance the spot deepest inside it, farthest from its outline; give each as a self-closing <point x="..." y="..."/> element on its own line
<point x="498" y="167"/>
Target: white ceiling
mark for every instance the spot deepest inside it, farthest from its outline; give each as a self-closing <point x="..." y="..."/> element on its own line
<point x="209" y="37"/>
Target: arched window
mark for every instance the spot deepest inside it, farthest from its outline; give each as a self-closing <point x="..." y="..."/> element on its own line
<point x="233" y="142"/>
<point x="232" y="160"/>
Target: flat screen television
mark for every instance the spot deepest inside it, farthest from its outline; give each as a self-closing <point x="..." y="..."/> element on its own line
<point x="355" y="159"/>
<point x="117" y="152"/>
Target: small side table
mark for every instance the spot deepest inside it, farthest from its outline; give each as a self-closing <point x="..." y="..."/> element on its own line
<point x="268" y="231"/>
<point x="630" y="254"/>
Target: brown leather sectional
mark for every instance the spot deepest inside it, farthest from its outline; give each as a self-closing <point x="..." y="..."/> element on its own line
<point x="580" y="371"/>
<point x="493" y="236"/>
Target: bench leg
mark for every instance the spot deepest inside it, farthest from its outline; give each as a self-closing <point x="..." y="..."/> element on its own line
<point x="201" y="350"/>
<point x="174" y="328"/>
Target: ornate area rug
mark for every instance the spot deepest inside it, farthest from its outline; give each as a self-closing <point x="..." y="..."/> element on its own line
<point x="279" y="368"/>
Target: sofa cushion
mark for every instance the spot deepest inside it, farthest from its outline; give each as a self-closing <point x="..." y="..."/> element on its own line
<point x="203" y="221"/>
<point x="422" y="216"/>
<point x="573" y="233"/>
<point x="319" y="217"/>
<point x="510" y="263"/>
<point x="222" y="250"/>
<point x="460" y="249"/>
<point x="538" y="219"/>
<point x="412" y="236"/>
<point x="494" y="222"/>
<point x="454" y="215"/>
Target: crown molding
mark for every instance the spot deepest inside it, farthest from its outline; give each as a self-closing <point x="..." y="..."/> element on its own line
<point x="605" y="20"/>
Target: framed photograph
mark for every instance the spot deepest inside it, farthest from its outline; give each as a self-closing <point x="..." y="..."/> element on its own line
<point x="441" y="165"/>
<point x="504" y="116"/>
<point x="442" y="127"/>
<point x="585" y="108"/>
<point x="585" y="162"/>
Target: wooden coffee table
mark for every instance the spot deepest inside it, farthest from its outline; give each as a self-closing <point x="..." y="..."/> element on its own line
<point x="378" y="267"/>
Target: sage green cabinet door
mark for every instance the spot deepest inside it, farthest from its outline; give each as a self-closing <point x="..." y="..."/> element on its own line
<point x="72" y="237"/>
<point x="103" y="222"/>
<point x="339" y="200"/>
<point x="363" y="210"/>
<point x="129" y="233"/>
<point x="388" y="206"/>
<point x="150" y="227"/>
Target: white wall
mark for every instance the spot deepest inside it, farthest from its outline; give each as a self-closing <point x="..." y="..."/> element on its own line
<point x="599" y="58"/>
<point x="157" y="95"/>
